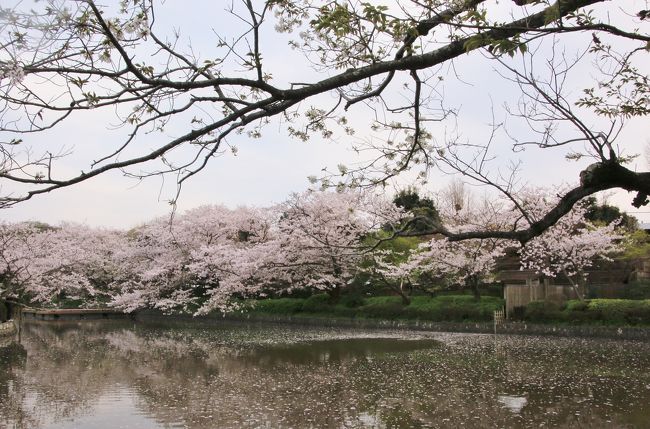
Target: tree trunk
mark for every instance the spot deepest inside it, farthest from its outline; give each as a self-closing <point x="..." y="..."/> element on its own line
<point x="406" y="299"/>
<point x="472" y="282"/>
<point x="400" y="290"/>
<point x="579" y="294"/>
<point x="576" y="287"/>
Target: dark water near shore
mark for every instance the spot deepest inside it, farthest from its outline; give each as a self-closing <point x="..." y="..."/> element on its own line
<point x="117" y="374"/>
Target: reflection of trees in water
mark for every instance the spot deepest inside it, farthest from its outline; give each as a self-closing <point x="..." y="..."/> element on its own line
<point x="66" y="371"/>
<point x="236" y="377"/>
<point x="12" y="394"/>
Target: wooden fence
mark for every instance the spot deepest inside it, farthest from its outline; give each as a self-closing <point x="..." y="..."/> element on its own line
<point x="535" y="289"/>
<point x="605" y="280"/>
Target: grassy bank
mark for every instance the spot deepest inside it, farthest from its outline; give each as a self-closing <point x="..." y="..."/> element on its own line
<point x="452" y="308"/>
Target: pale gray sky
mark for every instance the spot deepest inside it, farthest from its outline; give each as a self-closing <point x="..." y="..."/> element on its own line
<point x="265" y="171"/>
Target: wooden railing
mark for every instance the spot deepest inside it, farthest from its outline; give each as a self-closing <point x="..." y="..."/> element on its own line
<point x="499" y="318"/>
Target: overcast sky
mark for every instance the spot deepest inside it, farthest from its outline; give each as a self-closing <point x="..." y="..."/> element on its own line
<point x="267" y="170"/>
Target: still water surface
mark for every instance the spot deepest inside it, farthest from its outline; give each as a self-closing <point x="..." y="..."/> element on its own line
<point x="117" y="374"/>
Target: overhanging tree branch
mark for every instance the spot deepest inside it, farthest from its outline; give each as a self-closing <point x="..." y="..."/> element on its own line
<point x="233" y="94"/>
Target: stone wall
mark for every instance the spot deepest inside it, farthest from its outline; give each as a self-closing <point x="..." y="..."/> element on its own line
<point x="516" y="328"/>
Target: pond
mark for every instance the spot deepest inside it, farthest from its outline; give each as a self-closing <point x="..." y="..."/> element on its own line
<point x="121" y="374"/>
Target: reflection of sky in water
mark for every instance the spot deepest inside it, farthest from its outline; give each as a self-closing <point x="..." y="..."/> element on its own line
<point x="116" y="374"/>
<point x="116" y="409"/>
<point x="513" y="403"/>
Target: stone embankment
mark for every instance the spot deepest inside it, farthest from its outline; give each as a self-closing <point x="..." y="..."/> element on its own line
<point x="512" y="328"/>
<point x="516" y="328"/>
<point x="72" y="313"/>
<point x="508" y="328"/>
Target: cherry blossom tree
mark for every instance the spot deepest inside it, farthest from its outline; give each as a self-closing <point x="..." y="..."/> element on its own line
<point x="387" y="266"/>
<point x="152" y="269"/>
<point x="212" y="257"/>
<point x="47" y="264"/>
<point x="468" y="263"/>
<point x="568" y="248"/>
<point x="239" y="265"/>
<point x="74" y="262"/>
<point x="324" y="235"/>
<point x="155" y="262"/>
<point x="199" y="262"/>
<point x="16" y="253"/>
<point x="571" y="246"/>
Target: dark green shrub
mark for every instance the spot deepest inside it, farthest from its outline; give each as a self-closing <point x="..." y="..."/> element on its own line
<point x="382" y="310"/>
<point x="608" y="310"/>
<point x="543" y="311"/>
<point x="580" y="317"/>
<point x="458" y="313"/>
<point x="577" y="305"/>
<point x="636" y="315"/>
<point x="279" y="306"/>
<point x="601" y="311"/>
<point x="352" y="300"/>
<point x="578" y="312"/>
<point x="71" y="303"/>
<point x="319" y="303"/>
<point x="621" y="311"/>
<point x="453" y="308"/>
<point x="383" y="300"/>
<point x="433" y="312"/>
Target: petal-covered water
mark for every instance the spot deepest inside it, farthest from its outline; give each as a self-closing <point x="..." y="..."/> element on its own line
<point x="112" y="374"/>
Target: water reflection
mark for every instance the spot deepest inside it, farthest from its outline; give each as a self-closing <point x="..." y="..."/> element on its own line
<point x="513" y="403"/>
<point x="110" y="374"/>
<point x="332" y="351"/>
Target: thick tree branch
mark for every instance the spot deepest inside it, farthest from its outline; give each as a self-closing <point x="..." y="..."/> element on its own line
<point x="597" y="177"/>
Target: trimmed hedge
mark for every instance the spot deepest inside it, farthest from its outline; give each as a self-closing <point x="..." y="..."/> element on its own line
<point x="595" y="311"/>
<point x="461" y="308"/>
<point x="319" y="303"/>
<point x="457" y="308"/>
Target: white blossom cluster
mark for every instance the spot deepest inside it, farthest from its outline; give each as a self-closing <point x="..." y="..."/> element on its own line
<point x="12" y="72"/>
<point x="571" y="246"/>
<point x="209" y="256"/>
<point x="213" y="256"/>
